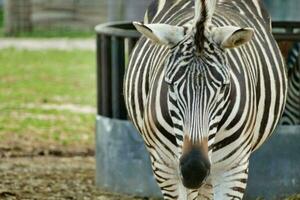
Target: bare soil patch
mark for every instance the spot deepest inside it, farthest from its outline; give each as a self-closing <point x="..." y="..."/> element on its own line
<point x="51" y="178"/>
<point x="28" y="148"/>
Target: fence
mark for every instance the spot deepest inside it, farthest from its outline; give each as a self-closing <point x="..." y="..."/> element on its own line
<point x="68" y="13"/>
<point x="17" y="16"/>
<point x="25" y="15"/>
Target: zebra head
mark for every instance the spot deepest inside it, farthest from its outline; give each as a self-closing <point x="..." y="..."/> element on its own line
<point x="197" y="72"/>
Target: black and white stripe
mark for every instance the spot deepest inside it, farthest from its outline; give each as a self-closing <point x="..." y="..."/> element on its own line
<point x="225" y="101"/>
<point x="291" y="114"/>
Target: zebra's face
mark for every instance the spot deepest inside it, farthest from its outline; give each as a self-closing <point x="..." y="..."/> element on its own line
<point x="198" y="82"/>
<point x="198" y="78"/>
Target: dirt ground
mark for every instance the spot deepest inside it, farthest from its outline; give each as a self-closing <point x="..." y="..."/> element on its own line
<point x="49" y="177"/>
<point x="36" y="173"/>
<point x="52" y="174"/>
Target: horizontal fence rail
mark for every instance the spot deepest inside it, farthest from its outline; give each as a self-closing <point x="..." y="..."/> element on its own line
<point x="286" y="31"/>
<point x="115" y="42"/>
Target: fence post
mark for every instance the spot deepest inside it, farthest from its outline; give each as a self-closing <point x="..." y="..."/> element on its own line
<point x="17" y="16"/>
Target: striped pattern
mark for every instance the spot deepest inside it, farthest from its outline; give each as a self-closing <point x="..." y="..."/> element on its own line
<point x="291" y="114"/>
<point x="234" y="98"/>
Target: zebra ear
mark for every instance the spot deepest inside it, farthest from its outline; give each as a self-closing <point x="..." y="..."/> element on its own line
<point x="161" y="33"/>
<point x="231" y="36"/>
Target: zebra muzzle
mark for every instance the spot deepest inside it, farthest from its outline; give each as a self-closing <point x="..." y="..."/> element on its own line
<point x="194" y="165"/>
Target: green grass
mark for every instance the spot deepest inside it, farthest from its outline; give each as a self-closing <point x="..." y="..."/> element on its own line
<point x="294" y="197"/>
<point x="54" y="33"/>
<point x="30" y="80"/>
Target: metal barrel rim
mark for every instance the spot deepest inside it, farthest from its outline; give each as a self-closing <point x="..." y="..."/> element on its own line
<point x="119" y="29"/>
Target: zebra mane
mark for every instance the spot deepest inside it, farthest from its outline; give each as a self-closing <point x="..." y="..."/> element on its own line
<point x="158" y="8"/>
<point x="200" y="20"/>
<point x="204" y="10"/>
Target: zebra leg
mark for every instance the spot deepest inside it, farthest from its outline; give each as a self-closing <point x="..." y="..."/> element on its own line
<point x="231" y="184"/>
<point x="167" y="176"/>
<point x="186" y="194"/>
<point x="206" y="191"/>
<point x="170" y="184"/>
<point x="165" y="171"/>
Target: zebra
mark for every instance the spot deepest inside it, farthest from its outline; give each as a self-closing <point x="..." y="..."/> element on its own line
<point x="291" y="114"/>
<point x="205" y="87"/>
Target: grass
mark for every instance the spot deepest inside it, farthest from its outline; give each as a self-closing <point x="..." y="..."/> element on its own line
<point x="54" y="33"/>
<point x="294" y="197"/>
<point x="51" y="33"/>
<point x="31" y="80"/>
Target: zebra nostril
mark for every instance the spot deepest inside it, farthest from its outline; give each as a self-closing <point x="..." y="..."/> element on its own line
<point x="194" y="169"/>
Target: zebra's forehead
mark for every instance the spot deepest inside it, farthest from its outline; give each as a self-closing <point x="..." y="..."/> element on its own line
<point x="188" y="45"/>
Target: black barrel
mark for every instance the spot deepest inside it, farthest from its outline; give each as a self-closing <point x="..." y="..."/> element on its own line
<point x="115" y="42"/>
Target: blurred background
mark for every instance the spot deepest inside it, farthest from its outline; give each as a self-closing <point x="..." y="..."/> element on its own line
<point x="67" y="15"/>
<point x="23" y="16"/>
<point x="48" y="92"/>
